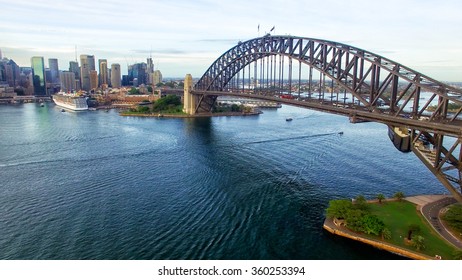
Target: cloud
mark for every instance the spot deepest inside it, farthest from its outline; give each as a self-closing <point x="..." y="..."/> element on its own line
<point x="180" y="29"/>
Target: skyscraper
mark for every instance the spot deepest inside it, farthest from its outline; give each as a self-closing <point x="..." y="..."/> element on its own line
<point x="150" y="68"/>
<point x="9" y="72"/>
<point x="103" y="76"/>
<point x="156" y="77"/>
<point x="115" y="75"/>
<point x="53" y="65"/>
<point x="138" y="71"/>
<point x="74" y="68"/>
<point x="38" y="70"/>
<point x="93" y="79"/>
<point x="67" y="79"/>
<point x="87" y="63"/>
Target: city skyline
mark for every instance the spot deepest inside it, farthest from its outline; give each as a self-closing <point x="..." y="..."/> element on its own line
<point x="186" y="37"/>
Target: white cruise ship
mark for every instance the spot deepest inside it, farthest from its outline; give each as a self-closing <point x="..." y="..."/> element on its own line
<point x="70" y="101"/>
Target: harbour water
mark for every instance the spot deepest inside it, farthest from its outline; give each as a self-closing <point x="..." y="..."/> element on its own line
<point x="95" y="185"/>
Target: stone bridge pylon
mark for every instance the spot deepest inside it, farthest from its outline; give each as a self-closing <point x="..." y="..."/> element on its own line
<point x="189" y="100"/>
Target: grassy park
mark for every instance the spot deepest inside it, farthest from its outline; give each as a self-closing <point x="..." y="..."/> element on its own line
<point x="401" y="217"/>
<point x="396" y="222"/>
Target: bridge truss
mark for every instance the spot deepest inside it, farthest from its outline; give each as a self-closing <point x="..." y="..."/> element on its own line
<point x="342" y="79"/>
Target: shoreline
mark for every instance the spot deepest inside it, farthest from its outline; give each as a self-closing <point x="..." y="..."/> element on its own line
<point x="344" y="232"/>
<point x="185" y="116"/>
<point x="420" y="201"/>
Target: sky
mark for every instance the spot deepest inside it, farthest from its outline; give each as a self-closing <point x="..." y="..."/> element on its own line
<point x="187" y="36"/>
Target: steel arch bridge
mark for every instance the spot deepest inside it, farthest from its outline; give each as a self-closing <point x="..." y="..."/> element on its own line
<point x="352" y="82"/>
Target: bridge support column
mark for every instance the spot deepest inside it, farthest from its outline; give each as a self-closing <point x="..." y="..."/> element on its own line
<point x="189" y="100"/>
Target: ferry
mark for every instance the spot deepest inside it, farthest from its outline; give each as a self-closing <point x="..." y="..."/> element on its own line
<point x="70" y="101"/>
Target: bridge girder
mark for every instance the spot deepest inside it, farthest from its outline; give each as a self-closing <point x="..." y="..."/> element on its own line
<point x="379" y="85"/>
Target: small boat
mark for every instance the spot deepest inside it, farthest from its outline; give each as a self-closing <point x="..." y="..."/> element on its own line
<point x="288" y="119"/>
<point x="42" y="104"/>
<point x="62" y="110"/>
<point x="341" y="133"/>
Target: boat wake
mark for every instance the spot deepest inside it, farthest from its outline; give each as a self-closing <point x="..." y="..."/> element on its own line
<point x="293" y="138"/>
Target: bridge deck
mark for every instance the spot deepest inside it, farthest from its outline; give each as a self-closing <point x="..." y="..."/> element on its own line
<point x="453" y="128"/>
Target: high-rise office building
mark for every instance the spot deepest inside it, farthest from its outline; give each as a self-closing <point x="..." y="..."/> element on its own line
<point x="115" y="75"/>
<point x="150" y="64"/>
<point x="93" y="79"/>
<point x="109" y="77"/>
<point x="39" y="78"/>
<point x="87" y="63"/>
<point x="138" y="71"/>
<point x="67" y="79"/>
<point x="9" y="72"/>
<point x="2" y="72"/>
<point x="103" y="75"/>
<point x="156" y="77"/>
<point x="48" y="75"/>
<point x="74" y="68"/>
<point x="53" y="65"/>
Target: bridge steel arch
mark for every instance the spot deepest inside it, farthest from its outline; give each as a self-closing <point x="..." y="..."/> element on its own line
<point x="379" y="85"/>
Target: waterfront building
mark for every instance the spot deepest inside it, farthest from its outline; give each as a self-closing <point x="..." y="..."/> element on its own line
<point x="38" y="73"/>
<point x="115" y="75"/>
<point x="87" y="63"/>
<point x="93" y="79"/>
<point x="53" y="65"/>
<point x="6" y="91"/>
<point x="67" y="81"/>
<point x="103" y="75"/>
<point x="25" y="81"/>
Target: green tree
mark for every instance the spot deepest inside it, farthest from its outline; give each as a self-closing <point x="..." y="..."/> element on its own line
<point x="418" y="242"/>
<point x="454" y="216"/>
<point x="360" y="202"/>
<point x="354" y="219"/>
<point x="143" y="109"/>
<point x="165" y="103"/>
<point x="457" y="255"/>
<point x="133" y="90"/>
<point x="399" y="196"/>
<point x="235" y="108"/>
<point x="338" y="208"/>
<point x="386" y="233"/>
<point x="412" y="229"/>
<point x="372" y="224"/>
<point x="170" y="84"/>
<point x="380" y="197"/>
